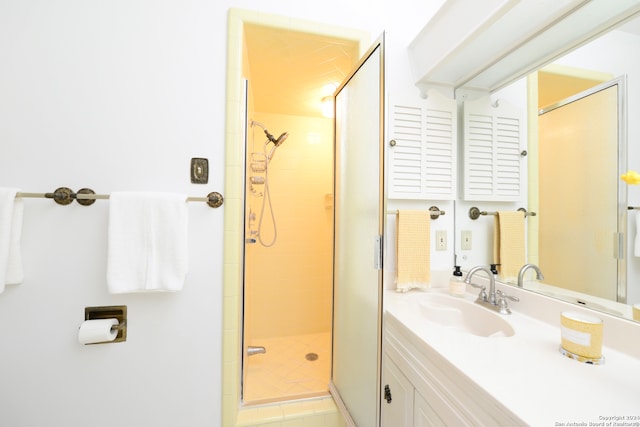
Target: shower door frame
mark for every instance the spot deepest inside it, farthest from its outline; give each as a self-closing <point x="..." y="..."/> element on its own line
<point x="618" y="254"/>
<point x="232" y="345"/>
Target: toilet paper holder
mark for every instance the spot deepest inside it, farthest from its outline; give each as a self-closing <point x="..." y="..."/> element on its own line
<point x="110" y="312"/>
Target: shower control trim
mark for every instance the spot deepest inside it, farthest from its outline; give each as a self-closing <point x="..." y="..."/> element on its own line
<point x="199" y="170"/>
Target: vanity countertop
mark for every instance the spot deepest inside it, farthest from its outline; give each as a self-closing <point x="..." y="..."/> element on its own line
<point x="526" y="372"/>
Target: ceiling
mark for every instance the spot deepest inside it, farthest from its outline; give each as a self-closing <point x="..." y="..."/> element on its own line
<point x="289" y="70"/>
<point x="632" y="26"/>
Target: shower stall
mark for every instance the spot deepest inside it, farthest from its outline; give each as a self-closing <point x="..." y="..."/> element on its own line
<point x="288" y="258"/>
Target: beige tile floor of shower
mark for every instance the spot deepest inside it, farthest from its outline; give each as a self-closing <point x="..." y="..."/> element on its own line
<point x="285" y="373"/>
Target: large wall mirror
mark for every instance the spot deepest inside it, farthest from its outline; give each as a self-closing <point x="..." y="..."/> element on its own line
<point x="582" y="112"/>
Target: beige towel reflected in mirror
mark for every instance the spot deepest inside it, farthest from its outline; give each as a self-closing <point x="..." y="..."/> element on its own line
<point x="413" y="265"/>
<point x="509" y="244"/>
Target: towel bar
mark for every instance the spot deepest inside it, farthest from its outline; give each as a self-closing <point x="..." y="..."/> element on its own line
<point x="435" y="212"/>
<point x="86" y="197"/>
<point x="474" y="213"/>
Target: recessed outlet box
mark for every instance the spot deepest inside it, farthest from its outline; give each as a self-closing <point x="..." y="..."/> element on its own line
<point x="441" y="240"/>
<point x="465" y="238"/>
<point x="110" y="312"/>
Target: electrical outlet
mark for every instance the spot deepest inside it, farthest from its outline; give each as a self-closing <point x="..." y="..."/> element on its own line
<point x="441" y="240"/>
<point x="465" y="243"/>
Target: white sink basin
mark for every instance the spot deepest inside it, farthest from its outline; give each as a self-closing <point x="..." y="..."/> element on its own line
<point x="464" y="316"/>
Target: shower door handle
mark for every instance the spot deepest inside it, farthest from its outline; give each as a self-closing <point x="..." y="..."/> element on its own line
<point x="377" y="252"/>
<point x="252" y="349"/>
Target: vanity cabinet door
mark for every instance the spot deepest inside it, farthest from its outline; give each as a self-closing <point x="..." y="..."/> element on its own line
<point x="424" y="415"/>
<point x="397" y="402"/>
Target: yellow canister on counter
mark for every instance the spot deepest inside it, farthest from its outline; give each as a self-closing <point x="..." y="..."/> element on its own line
<point x="581" y="334"/>
<point x="636" y="312"/>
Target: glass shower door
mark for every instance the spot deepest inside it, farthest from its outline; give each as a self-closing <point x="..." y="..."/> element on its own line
<point x="577" y="137"/>
<point x="359" y="204"/>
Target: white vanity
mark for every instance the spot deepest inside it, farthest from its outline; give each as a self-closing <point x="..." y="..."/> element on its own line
<point x="442" y="371"/>
<point x="446" y="363"/>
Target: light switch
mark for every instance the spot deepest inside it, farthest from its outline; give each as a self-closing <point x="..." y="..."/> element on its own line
<point x="441" y="240"/>
<point x="465" y="244"/>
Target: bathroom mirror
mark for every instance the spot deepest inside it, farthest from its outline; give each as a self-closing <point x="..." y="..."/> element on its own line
<point x="606" y="58"/>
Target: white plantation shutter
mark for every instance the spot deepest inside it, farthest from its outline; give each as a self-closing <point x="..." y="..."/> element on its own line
<point x="422" y="161"/>
<point x="493" y="164"/>
<point x="406" y="155"/>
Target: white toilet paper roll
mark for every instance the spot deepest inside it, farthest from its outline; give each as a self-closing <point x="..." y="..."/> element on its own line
<point x="97" y="330"/>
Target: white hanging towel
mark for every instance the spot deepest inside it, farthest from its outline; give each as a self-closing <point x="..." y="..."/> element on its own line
<point x="148" y="242"/>
<point x="11" y="210"/>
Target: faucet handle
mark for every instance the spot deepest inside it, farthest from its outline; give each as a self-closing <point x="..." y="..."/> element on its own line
<point x="503" y="306"/>
<point x="483" y="291"/>
<point x="502" y="295"/>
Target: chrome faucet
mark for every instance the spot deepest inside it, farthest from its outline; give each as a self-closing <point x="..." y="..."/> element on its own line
<point x="524" y="268"/>
<point x="491" y="297"/>
<point x="495" y="300"/>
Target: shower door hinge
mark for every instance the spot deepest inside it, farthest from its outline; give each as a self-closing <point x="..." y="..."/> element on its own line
<point x="377" y="249"/>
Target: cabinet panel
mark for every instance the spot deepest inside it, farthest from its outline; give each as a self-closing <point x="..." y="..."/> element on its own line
<point x="398" y="412"/>
<point x="493" y="163"/>
<point x="424" y="415"/>
<point x="422" y="157"/>
<point x="442" y="394"/>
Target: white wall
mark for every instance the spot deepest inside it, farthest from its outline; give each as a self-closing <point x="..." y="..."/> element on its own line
<point x="119" y="95"/>
<point x="112" y="96"/>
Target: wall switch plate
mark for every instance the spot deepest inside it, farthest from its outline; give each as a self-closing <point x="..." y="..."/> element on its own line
<point x="441" y="240"/>
<point x="199" y="170"/>
<point x="465" y="243"/>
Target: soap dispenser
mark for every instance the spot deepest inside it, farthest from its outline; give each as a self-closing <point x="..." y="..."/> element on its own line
<point x="457" y="287"/>
<point x="494" y="270"/>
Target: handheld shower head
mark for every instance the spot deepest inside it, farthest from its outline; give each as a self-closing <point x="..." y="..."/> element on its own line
<point x="281" y="139"/>
<point x="276" y="142"/>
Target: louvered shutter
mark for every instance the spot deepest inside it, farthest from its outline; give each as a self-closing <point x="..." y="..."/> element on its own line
<point x="493" y="164"/>
<point x="422" y="161"/>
